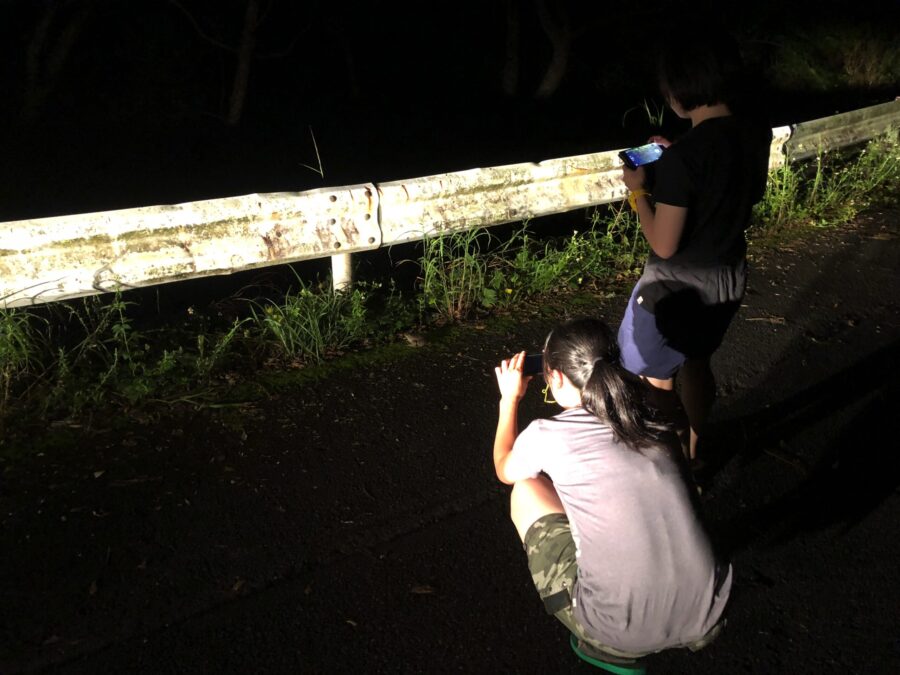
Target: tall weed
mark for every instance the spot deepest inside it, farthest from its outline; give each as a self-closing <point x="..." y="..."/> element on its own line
<point x="312" y="322"/>
<point x="101" y="356"/>
<point x="20" y="344"/>
<point x="522" y="267"/>
<point x="654" y="112"/>
<point x="454" y="274"/>
<point x="94" y="351"/>
<point x="210" y="351"/>
<point x="782" y="205"/>
<point x="614" y="243"/>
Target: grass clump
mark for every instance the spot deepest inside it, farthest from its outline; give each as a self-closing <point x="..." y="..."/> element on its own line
<point x="20" y="345"/>
<point x="468" y="272"/>
<point x="528" y="266"/>
<point x="831" y="190"/>
<point x="454" y="274"/>
<point x="312" y="321"/>
<point x="69" y="358"/>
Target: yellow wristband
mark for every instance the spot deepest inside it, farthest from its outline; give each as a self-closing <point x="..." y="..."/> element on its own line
<point x="632" y="198"/>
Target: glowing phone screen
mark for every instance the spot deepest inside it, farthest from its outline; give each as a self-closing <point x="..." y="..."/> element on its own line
<point x="644" y="154"/>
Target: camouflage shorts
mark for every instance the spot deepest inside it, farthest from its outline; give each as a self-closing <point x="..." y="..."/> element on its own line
<point x="551" y="559"/>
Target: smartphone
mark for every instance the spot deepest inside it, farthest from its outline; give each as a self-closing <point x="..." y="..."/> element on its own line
<point x="644" y="154"/>
<point x="533" y="364"/>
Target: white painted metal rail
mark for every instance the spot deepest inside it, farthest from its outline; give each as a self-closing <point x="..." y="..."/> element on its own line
<point x="49" y="259"/>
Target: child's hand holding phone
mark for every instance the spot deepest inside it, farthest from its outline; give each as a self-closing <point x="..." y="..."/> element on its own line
<point x="641" y="155"/>
<point x="510" y="378"/>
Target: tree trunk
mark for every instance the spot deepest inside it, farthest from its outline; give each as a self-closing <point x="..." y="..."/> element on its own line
<point x="45" y="59"/>
<point x="244" y="57"/>
<point x="561" y="37"/>
<point x="511" y="63"/>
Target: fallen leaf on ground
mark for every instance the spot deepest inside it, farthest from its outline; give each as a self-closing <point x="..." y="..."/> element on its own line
<point x="134" y="481"/>
<point x="414" y="339"/>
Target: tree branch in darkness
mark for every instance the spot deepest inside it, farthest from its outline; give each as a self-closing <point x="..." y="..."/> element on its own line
<point x="245" y="56"/>
<point x="559" y="30"/>
<point x="45" y="59"/>
<point x="199" y="29"/>
<point x="511" y="62"/>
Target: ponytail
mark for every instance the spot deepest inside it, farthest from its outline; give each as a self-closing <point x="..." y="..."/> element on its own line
<point x="587" y="353"/>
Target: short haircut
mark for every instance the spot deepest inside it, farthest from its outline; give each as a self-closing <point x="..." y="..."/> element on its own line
<point x="699" y="69"/>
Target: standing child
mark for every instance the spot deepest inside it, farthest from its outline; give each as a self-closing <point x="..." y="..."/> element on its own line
<point x="600" y="501"/>
<point x="694" y="217"/>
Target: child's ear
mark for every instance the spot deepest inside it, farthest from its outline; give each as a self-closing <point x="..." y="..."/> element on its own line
<point x="556" y="379"/>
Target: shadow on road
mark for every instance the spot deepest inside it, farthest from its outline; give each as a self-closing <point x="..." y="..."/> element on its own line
<point x="836" y="375"/>
<point x="853" y="473"/>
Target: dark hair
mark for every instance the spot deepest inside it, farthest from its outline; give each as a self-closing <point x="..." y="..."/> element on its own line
<point x="700" y="68"/>
<point x="586" y="351"/>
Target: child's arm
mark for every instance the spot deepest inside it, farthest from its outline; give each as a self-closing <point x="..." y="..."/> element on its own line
<point x="662" y="226"/>
<point x="507" y="430"/>
<point x="512" y="389"/>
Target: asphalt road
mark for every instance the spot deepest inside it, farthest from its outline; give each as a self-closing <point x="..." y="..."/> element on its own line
<point x="355" y="525"/>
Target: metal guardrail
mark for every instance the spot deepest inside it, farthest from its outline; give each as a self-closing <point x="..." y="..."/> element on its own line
<point x="49" y="259"/>
<point x="840" y="131"/>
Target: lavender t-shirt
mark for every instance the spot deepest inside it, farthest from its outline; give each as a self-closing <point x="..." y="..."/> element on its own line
<point x="647" y="575"/>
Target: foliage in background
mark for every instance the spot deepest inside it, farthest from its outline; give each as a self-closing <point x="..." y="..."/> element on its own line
<point x="69" y="358"/>
<point x="837" y="55"/>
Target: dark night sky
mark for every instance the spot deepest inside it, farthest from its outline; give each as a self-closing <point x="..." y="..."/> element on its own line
<point x="135" y="113"/>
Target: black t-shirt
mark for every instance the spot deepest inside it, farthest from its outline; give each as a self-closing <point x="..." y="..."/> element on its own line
<point x="717" y="171"/>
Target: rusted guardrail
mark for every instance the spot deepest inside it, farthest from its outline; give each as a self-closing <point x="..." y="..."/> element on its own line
<point x="49" y="259"/>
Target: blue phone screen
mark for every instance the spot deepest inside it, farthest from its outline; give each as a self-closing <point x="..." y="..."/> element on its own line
<point x="644" y="154"/>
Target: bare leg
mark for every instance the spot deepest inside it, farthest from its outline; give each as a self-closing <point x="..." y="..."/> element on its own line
<point x="698" y="391"/>
<point x="665" y="385"/>
<point x="531" y="499"/>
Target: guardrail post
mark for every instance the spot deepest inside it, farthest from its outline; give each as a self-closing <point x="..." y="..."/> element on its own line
<point x="341" y="271"/>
